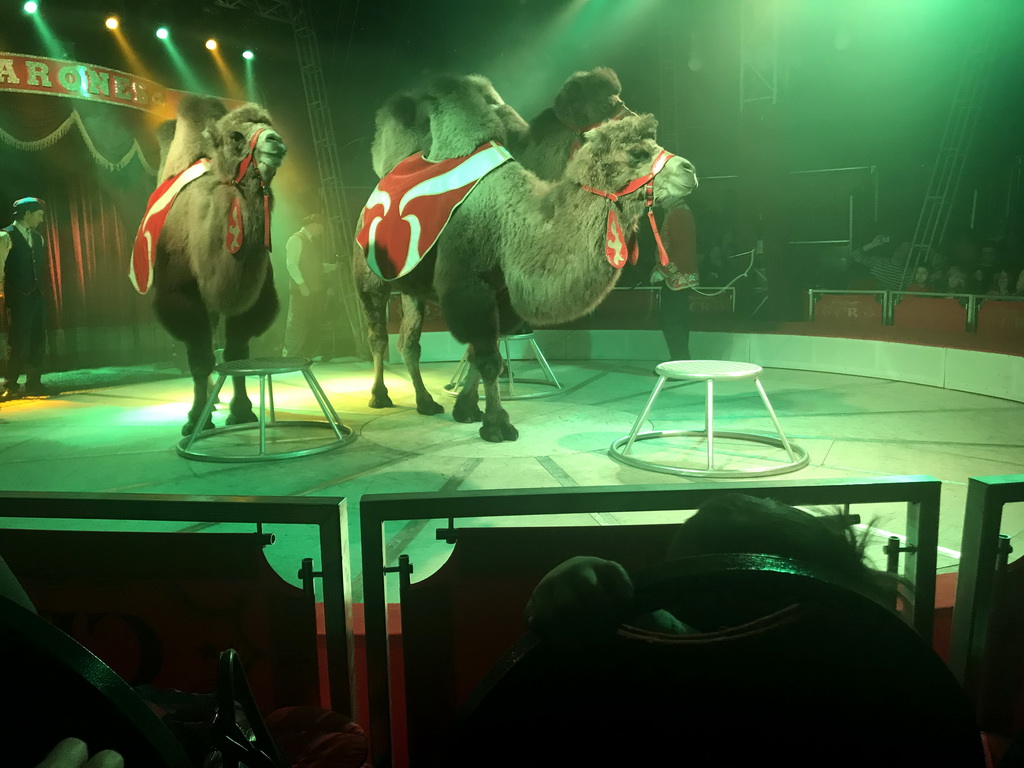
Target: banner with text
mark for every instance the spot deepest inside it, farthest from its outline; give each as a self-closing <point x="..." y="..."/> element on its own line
<point x="55" y="77"/>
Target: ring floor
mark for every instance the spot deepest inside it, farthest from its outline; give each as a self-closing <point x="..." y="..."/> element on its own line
<point x="121" y="438"/>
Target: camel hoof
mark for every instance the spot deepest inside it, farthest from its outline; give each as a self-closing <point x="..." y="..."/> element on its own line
<point x="381" y="402"/>
<point x="499" y="433"/>
<point x="248" y="417"/>
<point x="190" y="426"/>
<point x="429" y="408"/>
<point x="467" y="415"/>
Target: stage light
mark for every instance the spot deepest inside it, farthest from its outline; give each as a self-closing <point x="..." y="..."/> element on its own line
<point x="31" y="7"/>
<point x="211" y="44"/>
<point x="162" y="33"/>
<point x="112" y="22"/>
<point x="248" y="55"/>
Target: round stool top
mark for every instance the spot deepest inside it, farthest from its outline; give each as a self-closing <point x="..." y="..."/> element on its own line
<point x="702" y="370"/>
<point x="259" y="366"/>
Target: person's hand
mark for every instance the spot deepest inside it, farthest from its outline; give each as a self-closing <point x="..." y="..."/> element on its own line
<point x="304" y="289"/>
<point x="877" y="241"/>
<point x="580" y="597"/>
<point x="73" y="753"/>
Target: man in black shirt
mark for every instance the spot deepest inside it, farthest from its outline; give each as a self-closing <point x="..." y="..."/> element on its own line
<point x="26" y="280"/>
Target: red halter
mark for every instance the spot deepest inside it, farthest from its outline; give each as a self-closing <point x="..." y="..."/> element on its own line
<point x="622" y="111"/>
<point x="615" y="242"/>
<point x="233" y="241"/>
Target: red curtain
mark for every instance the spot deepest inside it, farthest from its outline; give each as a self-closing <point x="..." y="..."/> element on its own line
<point x="97" y="318"/>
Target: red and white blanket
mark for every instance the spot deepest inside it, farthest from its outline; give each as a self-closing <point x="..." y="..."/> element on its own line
<point x="140" y="270"/>
<point x="410" y="207"/>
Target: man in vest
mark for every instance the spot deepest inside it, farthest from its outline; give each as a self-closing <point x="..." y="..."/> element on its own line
<point x="307" y="298"/>
<point x="26" y="280"/>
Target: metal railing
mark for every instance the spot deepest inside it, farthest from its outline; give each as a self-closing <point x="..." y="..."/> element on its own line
<point x="327" y="513"/>
<point x="972" y="302"/>
<point x="919" y="493"/>
<point x="982" y="557"/>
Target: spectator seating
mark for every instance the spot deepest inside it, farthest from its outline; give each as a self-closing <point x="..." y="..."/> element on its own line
<point x="831" y="678"/>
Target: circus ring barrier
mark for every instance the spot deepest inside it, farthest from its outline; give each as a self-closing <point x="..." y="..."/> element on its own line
<point x="82" y="138"/>
<point x="963" y="342"/>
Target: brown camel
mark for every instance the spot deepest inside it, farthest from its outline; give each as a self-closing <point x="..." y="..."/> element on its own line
<point x="518" y="248"/>
<point x="208" y="264"/>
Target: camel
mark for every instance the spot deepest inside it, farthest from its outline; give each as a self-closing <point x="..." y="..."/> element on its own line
<point x="212" y="257"/>
<point x="518" y="248"/>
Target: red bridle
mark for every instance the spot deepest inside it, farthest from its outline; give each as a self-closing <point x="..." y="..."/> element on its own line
<point x="234" y="236"/>
<point x="647" y="182"/>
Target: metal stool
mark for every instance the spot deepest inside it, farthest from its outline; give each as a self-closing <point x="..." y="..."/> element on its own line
<point x="265" y="368"/>
<point x="508" y="392"/>
<point x="709" y="371"/>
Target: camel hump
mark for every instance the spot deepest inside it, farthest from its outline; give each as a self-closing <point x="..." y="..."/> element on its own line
<point x="401" y="130"/>
<point x="588" y="97"/>
<point x="466" y="111"/>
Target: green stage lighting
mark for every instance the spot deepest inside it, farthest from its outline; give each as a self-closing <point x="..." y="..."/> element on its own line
<point x="31" y="6"/>
<point x="247" y="55"/>
<point x="162" y="33"/>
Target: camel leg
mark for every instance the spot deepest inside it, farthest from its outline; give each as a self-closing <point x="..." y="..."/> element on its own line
<point x="409" y="343"/>
<point x="496" y="427"/>
<point x="373" y="297"/>
<point x="182" y="312"/>
<point x="238" y="331"/>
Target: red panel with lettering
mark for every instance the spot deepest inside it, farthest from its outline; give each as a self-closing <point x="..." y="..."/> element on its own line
<point x="848" y="310"/>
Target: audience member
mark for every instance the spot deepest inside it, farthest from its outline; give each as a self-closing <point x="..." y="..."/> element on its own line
<point x="1000" y="283"/>
<point x="889" y="271"/>
<point x="922" y="281"/>
<point x="584" y="593"/>
<point x="956" y="280"/>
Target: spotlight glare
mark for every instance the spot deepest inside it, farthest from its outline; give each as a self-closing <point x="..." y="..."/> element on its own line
<point x="162" y="33"/>
<point x="211" y="44"/>
<point x="112" y="22"/>
<point x="31" y="6"/>
<point x="247" y="55"/>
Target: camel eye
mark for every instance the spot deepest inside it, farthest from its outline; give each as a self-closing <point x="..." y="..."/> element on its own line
<point x="639" y="155"/>
<point x="237" y="137"/>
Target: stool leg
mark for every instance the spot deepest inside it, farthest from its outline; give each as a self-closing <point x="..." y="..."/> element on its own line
<point x="211" y="403"/>
<point x="270" y="396"/>
<point x="709" y="421"/>
<point x="643" y="416"/>
<point x="775" y="420"/>
<point x="263" y="410"/>
<point x="544" y="363"/>
<point x="508" y="368"/>
<point x="458" y="378"/>
<point x="325" y="405"/>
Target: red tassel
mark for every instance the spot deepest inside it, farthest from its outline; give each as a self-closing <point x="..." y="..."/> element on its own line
<point x="233" y="239"/>
<point x="615" y="242"/>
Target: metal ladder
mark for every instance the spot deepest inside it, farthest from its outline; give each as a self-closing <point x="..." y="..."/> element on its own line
<point x="957" y="138"/>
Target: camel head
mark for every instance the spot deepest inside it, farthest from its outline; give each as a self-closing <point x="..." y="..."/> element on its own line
<point x="589" y="98"/>
<point x="622" y="151"/>
<point x="465" y="112"/>
<point x="242" y="132"/>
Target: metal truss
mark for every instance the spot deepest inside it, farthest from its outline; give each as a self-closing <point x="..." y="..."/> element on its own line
<point x="275" y="10"/>
<point x="759" y="52"/>
<point x="340" y="232"/>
